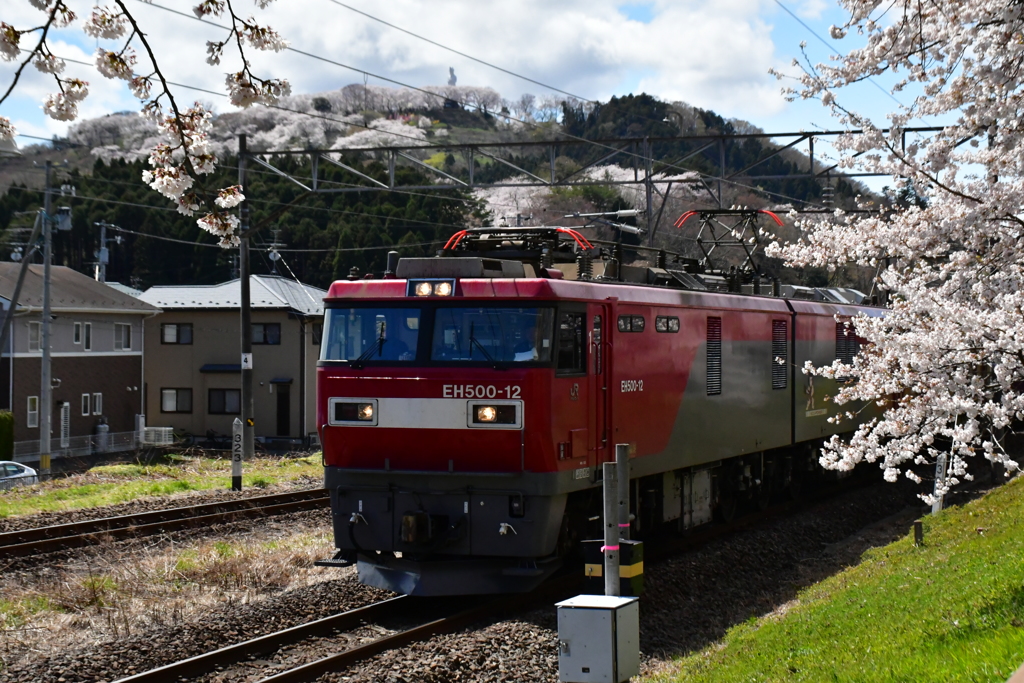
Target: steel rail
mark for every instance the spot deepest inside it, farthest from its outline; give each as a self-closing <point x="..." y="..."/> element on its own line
<point x="554" y="589"/>
<point x="78" y="534"/>
<point x="232" y="654"/>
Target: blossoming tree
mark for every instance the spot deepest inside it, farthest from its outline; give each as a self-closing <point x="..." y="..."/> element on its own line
<point x="180" y="162"/>
<point x="947" y="362"/>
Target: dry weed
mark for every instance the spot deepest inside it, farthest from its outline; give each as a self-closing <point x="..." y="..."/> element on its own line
<point x="118" y="590"/>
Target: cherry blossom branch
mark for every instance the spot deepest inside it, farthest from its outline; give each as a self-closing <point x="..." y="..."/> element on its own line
<point x="7" y="30"/>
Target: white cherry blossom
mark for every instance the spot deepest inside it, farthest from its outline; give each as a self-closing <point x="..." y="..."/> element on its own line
<point x="947" y="361"/>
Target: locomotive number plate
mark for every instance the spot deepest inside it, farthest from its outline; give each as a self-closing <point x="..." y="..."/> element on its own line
<point x="629" y="385"/>
<point x="480" y="391"/>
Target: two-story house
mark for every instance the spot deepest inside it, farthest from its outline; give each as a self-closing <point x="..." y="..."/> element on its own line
<point x="193" y="368"/>
<point x="96" y="354"/>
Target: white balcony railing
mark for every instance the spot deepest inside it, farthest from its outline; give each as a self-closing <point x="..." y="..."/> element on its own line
<point x="110" y="442"/>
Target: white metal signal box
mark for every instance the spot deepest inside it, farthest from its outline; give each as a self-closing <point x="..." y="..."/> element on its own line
<point x="598" y="639"/>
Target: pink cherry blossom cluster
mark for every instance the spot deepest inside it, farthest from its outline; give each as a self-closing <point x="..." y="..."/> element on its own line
<point x="946" y="363"/>
<point x="183" y="157"/>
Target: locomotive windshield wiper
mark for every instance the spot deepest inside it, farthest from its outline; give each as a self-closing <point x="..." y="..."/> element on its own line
<point x="376" y="347"/>
<point x="487" y="354"/>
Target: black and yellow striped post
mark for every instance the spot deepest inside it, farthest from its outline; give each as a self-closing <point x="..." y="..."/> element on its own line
<point x="631" y="568"/>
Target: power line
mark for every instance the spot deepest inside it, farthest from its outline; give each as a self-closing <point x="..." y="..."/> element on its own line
<point x="833" y="47"/>
<point x="461" y="54"/>
<point x="272" y="203"/>
<point x="216" y="246"/>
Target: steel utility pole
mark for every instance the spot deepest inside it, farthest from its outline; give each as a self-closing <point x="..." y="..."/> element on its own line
<point x="248" y="422"/>
<point x="46" y="384"/>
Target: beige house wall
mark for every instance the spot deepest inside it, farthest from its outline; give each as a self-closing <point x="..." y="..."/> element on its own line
<point x="215" y="340"/>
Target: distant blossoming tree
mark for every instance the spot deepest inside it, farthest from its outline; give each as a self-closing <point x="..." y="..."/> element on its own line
<point x="947" y="362"/>
<point x="180" y="161"/>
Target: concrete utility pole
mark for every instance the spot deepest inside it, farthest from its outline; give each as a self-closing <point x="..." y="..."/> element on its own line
<point x="103" y="255"/>
<point x="248" y="410"/>
<point x="46" y="384"/>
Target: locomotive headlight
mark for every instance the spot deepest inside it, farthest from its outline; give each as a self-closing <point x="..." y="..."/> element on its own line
<point x="355" y="412"/>
<point x="493" y="414"/>
<point x="423" y="289"/>
<point x="443" y="289"/>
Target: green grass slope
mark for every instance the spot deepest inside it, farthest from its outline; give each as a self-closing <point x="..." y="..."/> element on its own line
<point x="951" y="610"/>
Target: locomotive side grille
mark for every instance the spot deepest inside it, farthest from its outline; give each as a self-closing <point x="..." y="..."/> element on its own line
<point x="846" y="343"/>
<point x="714" y="351"/>
<point x="780" y="362"/>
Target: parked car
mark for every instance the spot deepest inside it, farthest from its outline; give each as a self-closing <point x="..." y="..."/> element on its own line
<point x="15" y="474"/>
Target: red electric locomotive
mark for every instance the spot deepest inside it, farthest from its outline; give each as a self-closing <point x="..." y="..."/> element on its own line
<point x="467" y="402"/>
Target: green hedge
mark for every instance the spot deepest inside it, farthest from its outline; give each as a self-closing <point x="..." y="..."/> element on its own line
<point x="6" y="435"/>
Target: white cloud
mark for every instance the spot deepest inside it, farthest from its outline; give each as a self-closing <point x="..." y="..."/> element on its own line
<point x="711" y="53"/>
<point x="812" y="9"/>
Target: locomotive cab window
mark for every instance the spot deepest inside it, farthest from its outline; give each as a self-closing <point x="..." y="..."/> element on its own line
<point x="665" y="323"/>
<point x="370" y="334"/>
<point x="572" y="356"/>
<point x="631" y="323"/>
<point x="492" y="334"/>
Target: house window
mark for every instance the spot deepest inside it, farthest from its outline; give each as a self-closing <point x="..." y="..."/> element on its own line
<point x="266" y="333"/>
<point x="571" y="349"/>
<point x="122" y="337"/>
<point x="225" y="402"/>
<point x="78" y="333"/>
<point x="97" y="404"/>
<point x="666" y="324"/>
<point x="85" y="404"/>
<point x="714" y="356"/>
<point x="176" y="333"/>
<point x="87" y="339"/>
<point x="175" y="400"/>
<point x="318" y="333"/>
<point x="33" y="411"/>
<point x="35" y="335"/>
<point x="780" y="348"/>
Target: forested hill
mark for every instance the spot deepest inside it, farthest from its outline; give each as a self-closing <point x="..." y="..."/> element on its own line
<point x="325" y="236"/>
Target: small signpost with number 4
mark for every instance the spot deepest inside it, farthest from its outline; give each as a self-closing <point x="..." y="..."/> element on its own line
<point x="236" y="455"/>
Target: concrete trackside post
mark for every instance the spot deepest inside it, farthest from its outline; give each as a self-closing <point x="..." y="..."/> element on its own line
<point x="236" y="455"/>
<point x="611" y="530"/>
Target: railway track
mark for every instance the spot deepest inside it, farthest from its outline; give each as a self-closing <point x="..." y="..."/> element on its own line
<point x="78" y="534"/>
<point x="430" y="617"/>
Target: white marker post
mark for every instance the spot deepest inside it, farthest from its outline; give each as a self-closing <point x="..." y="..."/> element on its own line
<point x="236" y="455"/>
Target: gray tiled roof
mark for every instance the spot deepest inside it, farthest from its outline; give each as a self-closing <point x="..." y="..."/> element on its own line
<point x="69" y="290"/>
<point x="265" y="291"/>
